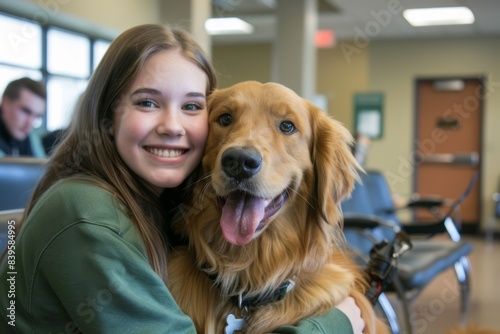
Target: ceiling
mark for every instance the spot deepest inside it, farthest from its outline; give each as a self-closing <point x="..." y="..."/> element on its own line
<point x="348" y="18"/>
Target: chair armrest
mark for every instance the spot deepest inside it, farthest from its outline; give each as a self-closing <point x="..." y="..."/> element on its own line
<point x="427" y="228"/>
<point x="425" y="202"/>
<point x="352" y="220"/>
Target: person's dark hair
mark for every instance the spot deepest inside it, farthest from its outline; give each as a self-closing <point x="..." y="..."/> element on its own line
<point x="14" y="88"/>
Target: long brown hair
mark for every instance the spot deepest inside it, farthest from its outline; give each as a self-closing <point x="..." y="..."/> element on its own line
<point x="88" y="150"/>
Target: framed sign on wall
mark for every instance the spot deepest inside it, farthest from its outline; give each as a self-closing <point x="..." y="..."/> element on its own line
<point x="368" y="114"/>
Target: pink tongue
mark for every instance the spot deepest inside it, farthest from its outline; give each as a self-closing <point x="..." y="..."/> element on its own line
<point x="241" y="216"/>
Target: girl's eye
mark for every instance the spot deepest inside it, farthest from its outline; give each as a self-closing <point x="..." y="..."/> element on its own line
<point x="146" y="103"/>
<point x="287" y="127"/>
<point x="192" y="107"/>
<point x="225" y="119"/>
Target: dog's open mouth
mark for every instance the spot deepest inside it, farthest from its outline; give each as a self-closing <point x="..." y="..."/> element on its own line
<point x="243" y="215"/>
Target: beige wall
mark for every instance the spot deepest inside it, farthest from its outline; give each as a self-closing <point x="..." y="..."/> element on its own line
<point x="243" y="62"/>
<point x="338" y="78"/>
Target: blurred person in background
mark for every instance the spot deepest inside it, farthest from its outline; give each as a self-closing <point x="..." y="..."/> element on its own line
<point x="23" y="102"/>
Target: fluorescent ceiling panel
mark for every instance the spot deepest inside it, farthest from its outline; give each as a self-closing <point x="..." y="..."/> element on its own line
<point x="420" y="17"/>
<point x="228" y="26"/>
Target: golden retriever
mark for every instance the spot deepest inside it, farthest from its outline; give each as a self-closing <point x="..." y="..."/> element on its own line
<point x="267" y="213"/>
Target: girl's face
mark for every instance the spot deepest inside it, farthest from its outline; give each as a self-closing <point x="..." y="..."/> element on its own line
<point x="160" y="124"/>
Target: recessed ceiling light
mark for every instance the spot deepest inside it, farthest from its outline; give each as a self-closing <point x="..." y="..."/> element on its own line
<point x="419" y="17"/>
<point x="228" y="26"/>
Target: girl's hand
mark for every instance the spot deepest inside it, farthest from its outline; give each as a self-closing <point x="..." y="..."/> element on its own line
<point x="352" y="311"/>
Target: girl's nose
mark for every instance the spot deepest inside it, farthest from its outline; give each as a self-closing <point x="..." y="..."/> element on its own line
<point x="170" y="123"/>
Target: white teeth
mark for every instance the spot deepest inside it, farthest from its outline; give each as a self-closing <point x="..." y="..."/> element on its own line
<point x="165" y="153"/>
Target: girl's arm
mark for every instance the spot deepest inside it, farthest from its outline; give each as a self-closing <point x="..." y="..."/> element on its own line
<point x="106" y="284"/>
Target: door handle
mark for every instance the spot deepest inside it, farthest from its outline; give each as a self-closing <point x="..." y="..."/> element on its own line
<point x="467" y="159"/>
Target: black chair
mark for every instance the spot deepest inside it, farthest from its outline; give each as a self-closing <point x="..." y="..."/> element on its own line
<point x="360" y="233"/>
<point x="371" y="205"/>
<point x="362" y="230"/>
<point x="18" y="179"/>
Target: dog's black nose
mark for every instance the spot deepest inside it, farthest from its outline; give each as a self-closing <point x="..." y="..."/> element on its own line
<point x="241" y="162"/>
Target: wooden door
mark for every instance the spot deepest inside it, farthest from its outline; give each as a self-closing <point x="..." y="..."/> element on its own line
<point x="447" y="145"/>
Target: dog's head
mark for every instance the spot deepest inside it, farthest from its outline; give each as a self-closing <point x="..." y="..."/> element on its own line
<point x="269" y="151"/>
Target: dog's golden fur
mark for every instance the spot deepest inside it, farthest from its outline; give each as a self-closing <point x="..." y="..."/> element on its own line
<point x="306" y="162"/>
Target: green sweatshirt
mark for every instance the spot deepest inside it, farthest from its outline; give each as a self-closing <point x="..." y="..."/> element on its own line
<point x="81" y="266"/>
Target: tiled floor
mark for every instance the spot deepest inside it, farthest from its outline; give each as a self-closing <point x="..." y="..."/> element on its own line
<point x="437" y="308"/>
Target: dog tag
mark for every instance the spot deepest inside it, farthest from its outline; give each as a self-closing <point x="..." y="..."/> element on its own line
<point x="234" y="324"/>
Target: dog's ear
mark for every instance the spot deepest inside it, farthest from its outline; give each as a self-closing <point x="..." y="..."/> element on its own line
<point x="335" y="168"/>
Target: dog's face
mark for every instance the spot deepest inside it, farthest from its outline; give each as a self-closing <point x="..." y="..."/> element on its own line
<point x="266" y="146"/>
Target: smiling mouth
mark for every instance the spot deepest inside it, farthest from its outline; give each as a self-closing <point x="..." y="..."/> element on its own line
<point x="166" y="153"/>
<point x="243" y="215"/>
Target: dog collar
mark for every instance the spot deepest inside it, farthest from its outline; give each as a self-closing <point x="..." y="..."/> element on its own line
<point x="266" y="298"/>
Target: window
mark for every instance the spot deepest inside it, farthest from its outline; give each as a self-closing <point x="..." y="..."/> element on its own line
<point x="20" y="42"/>
<point x="62" y="96"/>
<point x="68" y="66"/>
<point x="100" y="48"/>
<point x="65" y="63"/>
<point x="20" y="50"/>
<point x="68" y="53"/>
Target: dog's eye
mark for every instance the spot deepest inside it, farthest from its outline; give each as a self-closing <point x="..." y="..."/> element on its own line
<point x="287" y="127"/>
<point x="225" y="119"/>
